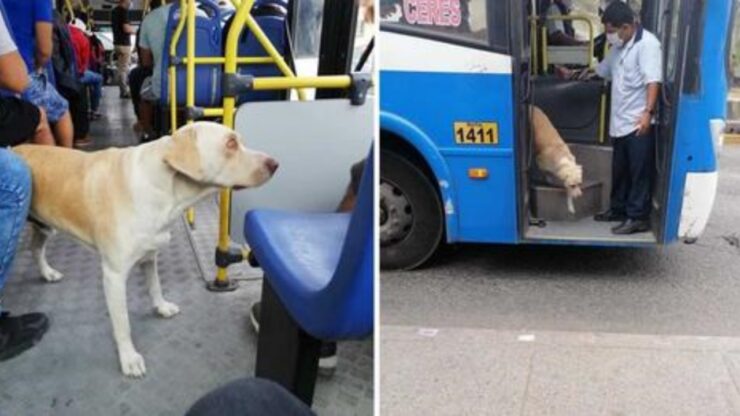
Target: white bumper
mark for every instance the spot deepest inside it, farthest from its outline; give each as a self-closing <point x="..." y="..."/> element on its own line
<point x="698" y="199"/>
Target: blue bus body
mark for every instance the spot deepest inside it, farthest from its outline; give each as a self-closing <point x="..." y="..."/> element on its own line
<point x="426" y="85"/>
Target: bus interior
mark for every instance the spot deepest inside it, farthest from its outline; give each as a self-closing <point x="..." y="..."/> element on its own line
<point x="579" y="110"/>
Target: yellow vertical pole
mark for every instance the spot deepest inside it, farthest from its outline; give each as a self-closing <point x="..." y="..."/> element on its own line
<point x="190" y="79"/>
<point x="230" y="62"/>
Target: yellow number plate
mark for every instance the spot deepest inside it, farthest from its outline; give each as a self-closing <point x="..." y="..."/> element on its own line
<point x="476" y="133"/>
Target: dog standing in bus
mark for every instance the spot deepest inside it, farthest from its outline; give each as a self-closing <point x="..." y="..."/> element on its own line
<point x="554" y="157"/>
<point x="122" y="202"/>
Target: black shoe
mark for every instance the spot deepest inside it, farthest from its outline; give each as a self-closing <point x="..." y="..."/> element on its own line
<point x="19" y="333"/>
<point x="609" y="216"/>
<point x="632" y="227"/>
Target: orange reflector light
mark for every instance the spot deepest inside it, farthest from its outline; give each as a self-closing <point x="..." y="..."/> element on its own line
<point x="477" y="173"/>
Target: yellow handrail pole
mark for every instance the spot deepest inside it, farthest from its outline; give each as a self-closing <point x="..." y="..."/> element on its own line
<point x="71" y="10"/>
<point x="173" y="70"/>
<point x="190" y="78"/>
<point x="190" y="53"/>
<point x="213" y="60"/>
<point x="544" y="49"/>
<point x="533" y="45"/>
<point x="283" y="83"/>
<point x="230" y="55"/>
<point x="270" y="49"/>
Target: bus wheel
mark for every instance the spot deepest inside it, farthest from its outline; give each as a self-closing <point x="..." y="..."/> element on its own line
<point x="411" y="217"/>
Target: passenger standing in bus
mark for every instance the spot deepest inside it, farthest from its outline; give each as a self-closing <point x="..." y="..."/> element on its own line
<point x="31" y="23"/>
<point x="122" y="32"/>
<point x="19" y="121"/>
<point x="634" y="66"/>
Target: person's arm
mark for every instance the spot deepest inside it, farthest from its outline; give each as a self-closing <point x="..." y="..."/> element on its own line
<point x="44" y="44"/>
<point x="13" y="75"/>
<point x="559" y="38"/>
<point x="146" y="58"/>
<point x="650" y="59"/>
<point x="42" y="19"/>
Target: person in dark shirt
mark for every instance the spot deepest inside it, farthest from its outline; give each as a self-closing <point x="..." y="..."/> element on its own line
<point x="122" y="32"/>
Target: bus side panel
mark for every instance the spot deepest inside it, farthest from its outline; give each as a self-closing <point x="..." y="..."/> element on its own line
<point x="693" y="183"/>
<point x="434" y="102"/>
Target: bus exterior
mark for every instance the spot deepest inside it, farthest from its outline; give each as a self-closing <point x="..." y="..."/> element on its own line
<point x="457" y="78"/>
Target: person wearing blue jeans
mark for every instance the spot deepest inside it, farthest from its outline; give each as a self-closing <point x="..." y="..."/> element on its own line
<point x="20" y="121"/>
<point x="20" y="333"/>
<point x="95" y="81"/>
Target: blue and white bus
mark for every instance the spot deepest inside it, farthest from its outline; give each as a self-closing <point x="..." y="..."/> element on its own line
<point x="456" y="81"/>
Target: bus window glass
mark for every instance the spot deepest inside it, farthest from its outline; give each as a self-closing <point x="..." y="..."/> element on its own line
<point x="465" y="20"/>
<point x="673" y="42"/>
<point x="307" y="37"/>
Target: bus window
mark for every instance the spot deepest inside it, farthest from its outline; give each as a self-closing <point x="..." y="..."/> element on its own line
<point x="673" y="43"/>
<point x="465" y="20"/>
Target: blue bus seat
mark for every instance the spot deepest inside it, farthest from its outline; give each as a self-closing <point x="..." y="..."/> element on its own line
<point x="320" y="265"/>
<point x="272" y="18"/>
<point x="318" y="285"/>
<point x="208" y="43"/>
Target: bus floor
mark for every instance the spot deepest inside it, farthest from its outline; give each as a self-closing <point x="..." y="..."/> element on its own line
<point x="74" y="369"/>
<point x="585" y="229"/>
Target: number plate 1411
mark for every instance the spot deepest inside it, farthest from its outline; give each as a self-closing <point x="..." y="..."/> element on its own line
<point x="476" y="133"/>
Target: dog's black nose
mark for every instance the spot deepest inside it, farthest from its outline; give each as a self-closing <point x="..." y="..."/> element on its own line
<point x="272" y="165"/>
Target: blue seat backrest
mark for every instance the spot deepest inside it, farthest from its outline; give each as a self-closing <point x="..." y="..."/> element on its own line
<point x="208" y="43"/>
<point x="272" y="18"/>
<point x="352" y="284"/>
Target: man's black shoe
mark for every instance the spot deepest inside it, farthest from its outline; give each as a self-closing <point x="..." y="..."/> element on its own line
<point x="609" y="216"/>
<point x="632" y="227"/>
<point x="19" y="333"/>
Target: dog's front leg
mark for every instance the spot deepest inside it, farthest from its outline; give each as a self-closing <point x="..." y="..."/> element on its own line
<point x="114" y="286"/>
<point x="164" y="308"/>
<point x="39" y="238"/>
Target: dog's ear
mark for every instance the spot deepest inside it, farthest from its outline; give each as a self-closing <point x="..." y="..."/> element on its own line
<point x="183" y="155"/>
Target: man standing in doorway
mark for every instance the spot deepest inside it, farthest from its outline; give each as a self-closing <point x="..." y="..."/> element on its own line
<point x="634" y="66"/>
<point x="122" y="32"/>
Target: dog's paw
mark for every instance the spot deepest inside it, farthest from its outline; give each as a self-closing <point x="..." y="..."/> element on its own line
<point x="167" y="309"/>
<point x="51" y="275"/>
<point x="132" y="364"/>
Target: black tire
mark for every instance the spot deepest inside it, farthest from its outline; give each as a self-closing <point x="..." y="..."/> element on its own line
<point x="411" y="216"/>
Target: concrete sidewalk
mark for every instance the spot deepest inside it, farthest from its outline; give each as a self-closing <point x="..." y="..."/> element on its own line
<point x="454" y="371"/>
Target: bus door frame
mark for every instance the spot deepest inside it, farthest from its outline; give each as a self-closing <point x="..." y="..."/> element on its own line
<point x="669" y="101"/>
<point x="521" y="57"/>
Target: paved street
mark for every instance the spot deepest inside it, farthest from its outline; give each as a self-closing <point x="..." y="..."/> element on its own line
<point x="570" y="331"/>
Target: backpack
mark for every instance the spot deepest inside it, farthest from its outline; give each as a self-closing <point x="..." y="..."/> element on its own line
<point x="63" y="59"/>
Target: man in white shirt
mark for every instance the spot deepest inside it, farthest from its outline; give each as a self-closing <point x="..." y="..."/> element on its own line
<point x="634" y="66"/>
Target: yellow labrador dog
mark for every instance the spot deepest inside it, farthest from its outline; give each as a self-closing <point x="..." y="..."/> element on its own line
<point x="554" y="157"/>
<point x="122" y="202"/>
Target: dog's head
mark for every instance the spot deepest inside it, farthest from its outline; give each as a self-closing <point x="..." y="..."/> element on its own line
<point x="212" y="154"/>
<point x="572" y="176"/>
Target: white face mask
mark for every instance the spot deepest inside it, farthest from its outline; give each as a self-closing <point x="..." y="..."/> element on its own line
<point x="614" y="40"/>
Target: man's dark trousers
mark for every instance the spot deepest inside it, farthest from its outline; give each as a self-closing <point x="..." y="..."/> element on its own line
<point x="633" y="168"/>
